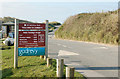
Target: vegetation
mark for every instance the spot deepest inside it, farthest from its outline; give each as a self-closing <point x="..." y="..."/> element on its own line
<point x="55" y="23"/>
<point x="30" y="66"/>
<point x="12" y="19"/>
<point x="91" y="27"/>
<point x="52" y="25"/>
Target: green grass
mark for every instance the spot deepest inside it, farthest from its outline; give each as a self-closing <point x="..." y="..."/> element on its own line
<point x="91" y="27"/>
<point x="27" y="66"/>
<point x="30" y="66"/>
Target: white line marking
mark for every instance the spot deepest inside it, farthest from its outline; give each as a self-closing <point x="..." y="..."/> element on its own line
<point x="70" y="47"/>
<point x="64" y="46"/>
<point x="104" y="47"/>
<point x="58" y="44"/>
<point x="63" y="53"/>
<point x="73" y="64"/>
<point x="101" y="48"/>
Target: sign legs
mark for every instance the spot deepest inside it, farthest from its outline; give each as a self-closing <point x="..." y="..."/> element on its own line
<point x="16" y="44"/>
<point x="46" y="40"/>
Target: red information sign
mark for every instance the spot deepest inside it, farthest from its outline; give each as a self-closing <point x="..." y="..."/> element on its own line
<point x="31" y="39"/>
<point x="31" y="26"/>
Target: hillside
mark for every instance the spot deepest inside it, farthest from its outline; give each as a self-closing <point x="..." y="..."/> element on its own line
<point x="12" y="19"/>
<point x="91" y="27"/>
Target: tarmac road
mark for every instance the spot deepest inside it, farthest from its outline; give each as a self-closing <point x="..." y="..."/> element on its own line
<point x="90" y="59"/>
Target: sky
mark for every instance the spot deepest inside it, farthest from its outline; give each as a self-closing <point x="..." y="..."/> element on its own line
<point x="53" y="11"/>
<point x="59" y="0"/>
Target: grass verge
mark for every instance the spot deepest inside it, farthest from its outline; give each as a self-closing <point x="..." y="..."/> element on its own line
<point x="30" y="66"/>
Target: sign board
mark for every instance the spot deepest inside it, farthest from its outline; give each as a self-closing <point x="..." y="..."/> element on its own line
<point x="31" y="39"/>
<point x="31" y="26"/>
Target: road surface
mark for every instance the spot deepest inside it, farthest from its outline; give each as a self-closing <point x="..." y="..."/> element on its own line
<point x="91" y="60"/>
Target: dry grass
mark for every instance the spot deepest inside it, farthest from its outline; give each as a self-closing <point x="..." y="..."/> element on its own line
<point x="94" y="27"/>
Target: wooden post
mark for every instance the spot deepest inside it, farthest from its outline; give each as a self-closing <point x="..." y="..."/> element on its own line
<point x="70" y="72"/>
<point x="49" y="62"/>
<point x="5" y="31"/>
<point x="46" y="41"/>
<point x="41" y="56"/>
<point x="60" y="67"/>
<point x="45" y="58"/>
<point x="16" y="44"/>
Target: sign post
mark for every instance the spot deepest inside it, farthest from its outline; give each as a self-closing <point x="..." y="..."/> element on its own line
<point x="46" y="41"/>
<point x="16" y="44"/>
<point x="1" y="27"/>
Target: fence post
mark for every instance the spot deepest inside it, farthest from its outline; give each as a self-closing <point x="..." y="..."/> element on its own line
<point x="45" y="58"/>
<point x="49" y="62"/>
<point x="16" y="44"/>
<point x="41" y="56"/>
<point x="60" y="67"/>
<point x="70" y="72"/>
